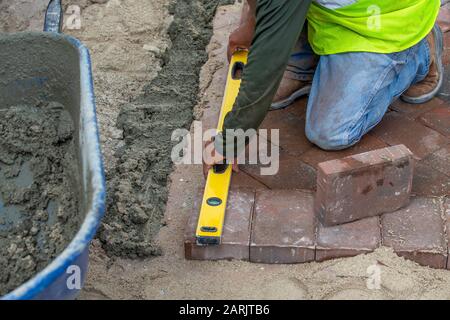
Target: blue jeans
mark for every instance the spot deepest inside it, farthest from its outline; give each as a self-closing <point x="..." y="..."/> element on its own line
<point x="351" y="92"/>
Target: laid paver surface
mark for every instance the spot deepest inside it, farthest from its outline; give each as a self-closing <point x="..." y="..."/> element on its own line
<point x="348" y="240"/>
<point x="396" y="128"/>
<point x="283" y="225"/>
<point x="412" y="111"/>
<point x="314" y="156"/>
<point x="283" y="228"/>
<point x="418" y="232"/>
<point x="236" y="231"/>
<point x="291" y="127"/>
<point x="292" y="174"/>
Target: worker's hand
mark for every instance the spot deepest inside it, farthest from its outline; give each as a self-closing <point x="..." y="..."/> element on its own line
<point x="241" y="38"/>
<point x="211" y="157"/>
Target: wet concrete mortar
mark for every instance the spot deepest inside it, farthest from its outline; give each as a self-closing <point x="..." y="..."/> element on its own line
<point x="38" y="198"/>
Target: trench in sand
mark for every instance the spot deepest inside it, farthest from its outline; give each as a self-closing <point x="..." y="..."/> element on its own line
<point x="139" y="191"/>
<point x="39" y="205"/>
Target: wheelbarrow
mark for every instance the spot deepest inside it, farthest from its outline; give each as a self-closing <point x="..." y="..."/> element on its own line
<point x="57" y="67"/>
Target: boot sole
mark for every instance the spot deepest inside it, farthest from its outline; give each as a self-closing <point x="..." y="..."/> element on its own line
<point x="439" y="49"/>
<point x="288" y="101"/>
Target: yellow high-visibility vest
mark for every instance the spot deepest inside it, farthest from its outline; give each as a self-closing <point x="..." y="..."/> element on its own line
<point x="382" y="26"/>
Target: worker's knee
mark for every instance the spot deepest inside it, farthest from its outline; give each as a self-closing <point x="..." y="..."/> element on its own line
<point x="326" y="139"/>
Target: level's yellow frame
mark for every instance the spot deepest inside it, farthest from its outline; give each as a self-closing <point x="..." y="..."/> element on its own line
<point x="214" y="202"/>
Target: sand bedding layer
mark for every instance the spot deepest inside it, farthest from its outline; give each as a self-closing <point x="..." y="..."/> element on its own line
<point x="38" y="196"/>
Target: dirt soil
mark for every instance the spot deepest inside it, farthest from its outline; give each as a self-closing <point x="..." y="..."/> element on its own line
<point x="128" y="41"/>
<point x="38" y="194"/>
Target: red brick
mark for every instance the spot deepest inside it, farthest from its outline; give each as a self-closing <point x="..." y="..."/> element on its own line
<point x="283" y="229"/>
<point x="438" y="119"/>
<point x="447" y="40"/>
<point x="446" y="53"/>
<point x="439" y="160"/>
<point x="444" y="93"/>
<point x="292" y="136"/>
<point x="315" y="155"/>
<point x="292" y="174"/>
<point x="348" y="240"/>
<point x="446" y="57"/>
<point x="447" y="228"/>
<point x="396" y="129"/>
<point x="428" y="181"/>
<point x="236" y="232"/>
<point x="413" y="111"/>
<point x="444" y="18"/>
<point x="244" y="180"/>
<point x="417" y="232"/>
<point x="298" y="108"/>
<point x="363" y="185"/>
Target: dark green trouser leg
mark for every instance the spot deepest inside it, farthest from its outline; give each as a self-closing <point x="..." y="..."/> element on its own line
<point x="278" y="27"/>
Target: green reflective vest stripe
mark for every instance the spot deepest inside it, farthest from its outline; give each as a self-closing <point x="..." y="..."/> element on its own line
<point x="382" y="26"/>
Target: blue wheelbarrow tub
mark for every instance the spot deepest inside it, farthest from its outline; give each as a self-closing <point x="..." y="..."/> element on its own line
<point x="57" y="67"/>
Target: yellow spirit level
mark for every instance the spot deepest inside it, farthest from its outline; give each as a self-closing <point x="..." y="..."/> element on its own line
<point x="214" y="203"/>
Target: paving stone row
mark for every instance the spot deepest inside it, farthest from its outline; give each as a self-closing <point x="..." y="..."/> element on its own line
<point x="272" y="222"/>
<point x="280" y="226"/>
<point x="292" y="173"/>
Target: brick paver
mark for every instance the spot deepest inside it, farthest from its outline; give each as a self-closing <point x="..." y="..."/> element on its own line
<point x="298" y="108"/>
<point x="396" y="129"/>
<point x="429" y="181"/>
<point x="413" y="111"/>
<point x="444" y="93"/>
<point x="283" y="229"/>
<point x="315" y="155"/>
<point x="291" y="128"/>
<point x="417" y="232"/>
<point x="439" y="160"/>
<point x="438" y="119"/>
<point x="244" y="180"/>
<point x="363" y="185"/>
<point x="279" y="225"/>
<point x="444" y="18"/>
<point x="446" y="58"/>
<point x="348" y="240"/>
<point x="236" y="232"/>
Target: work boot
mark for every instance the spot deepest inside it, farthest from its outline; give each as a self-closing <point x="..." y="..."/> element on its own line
<point x="426" y="89"/>
<point x="289" y="91"/>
